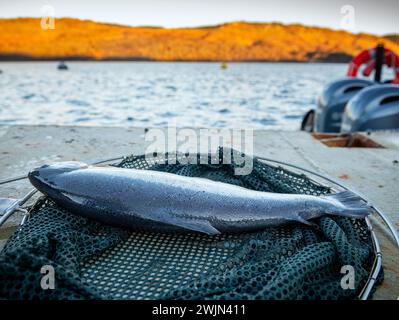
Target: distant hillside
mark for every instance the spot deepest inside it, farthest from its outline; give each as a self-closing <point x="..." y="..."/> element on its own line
<point x="393" y="37"/>
<point x="23" y="38"/>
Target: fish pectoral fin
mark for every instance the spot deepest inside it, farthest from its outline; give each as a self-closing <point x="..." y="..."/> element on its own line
<point x="306" y="222"/>
<point x="203" y="226"/>
<point x="74" y="198"/>
<point x="300" y="218"/>
<point x="199" y="225"/>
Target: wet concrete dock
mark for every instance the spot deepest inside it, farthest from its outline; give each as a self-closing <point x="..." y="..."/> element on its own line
<point x="374" y="172"/>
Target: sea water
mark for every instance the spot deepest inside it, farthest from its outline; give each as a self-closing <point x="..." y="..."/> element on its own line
<point x="158" y="94"/>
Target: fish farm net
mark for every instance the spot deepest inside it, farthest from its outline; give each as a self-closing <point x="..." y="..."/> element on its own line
<point x="95" y="261"/>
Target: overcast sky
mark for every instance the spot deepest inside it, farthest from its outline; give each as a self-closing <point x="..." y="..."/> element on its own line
<point x="378" y="17"/>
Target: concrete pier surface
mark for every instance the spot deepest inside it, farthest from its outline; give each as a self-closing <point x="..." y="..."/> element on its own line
<point x="374" y="172"/>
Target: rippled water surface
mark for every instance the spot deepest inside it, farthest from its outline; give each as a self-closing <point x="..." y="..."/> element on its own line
<point x="147" y="94"/>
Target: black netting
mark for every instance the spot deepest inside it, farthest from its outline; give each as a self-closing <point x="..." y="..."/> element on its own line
<point x="92" y="260"/>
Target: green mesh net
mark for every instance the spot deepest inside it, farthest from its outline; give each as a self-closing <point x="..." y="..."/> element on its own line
<point x="95" y="261"/>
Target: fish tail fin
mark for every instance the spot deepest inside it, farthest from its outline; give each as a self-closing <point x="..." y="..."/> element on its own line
<point x="354" y="205"/>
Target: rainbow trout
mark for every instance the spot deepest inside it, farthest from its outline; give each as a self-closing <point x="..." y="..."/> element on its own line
<point x="158" y="201"/>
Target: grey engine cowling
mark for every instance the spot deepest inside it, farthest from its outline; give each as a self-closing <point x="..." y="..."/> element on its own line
<point x="332" y="102"/>
<point x="373" y="108"/>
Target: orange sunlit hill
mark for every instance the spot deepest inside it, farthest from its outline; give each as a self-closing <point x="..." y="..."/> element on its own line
<point x="23" y="38"/>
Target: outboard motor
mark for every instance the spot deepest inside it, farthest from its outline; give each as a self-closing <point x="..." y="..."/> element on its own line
<point x="332" y="102"/>
<point x="335" y="96"/>
<point x="374" y="108"/>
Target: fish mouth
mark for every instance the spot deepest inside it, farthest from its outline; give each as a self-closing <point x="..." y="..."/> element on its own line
<point x="45" y="173"/>
<point x="60" y="167"/>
